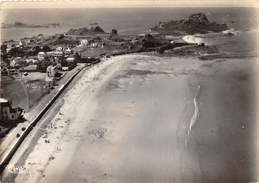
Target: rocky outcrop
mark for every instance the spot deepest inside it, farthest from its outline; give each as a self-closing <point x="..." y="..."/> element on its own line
<point x="98" y="29"/>
<point x="114" y="31"/>
<point x="196" y="19"/>
<point x="196" y="23"/>
<point x="86" y="31"/>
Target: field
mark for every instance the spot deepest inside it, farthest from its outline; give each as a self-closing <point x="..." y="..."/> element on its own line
<point x="24" y="93"/>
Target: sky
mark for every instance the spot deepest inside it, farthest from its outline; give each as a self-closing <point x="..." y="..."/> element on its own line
<point x="125" y="3"/>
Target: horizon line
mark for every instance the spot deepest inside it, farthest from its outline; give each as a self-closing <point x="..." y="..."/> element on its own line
<point x="97" y="4"/>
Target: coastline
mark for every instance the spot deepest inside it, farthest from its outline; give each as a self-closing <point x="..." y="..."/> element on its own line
<point x="144" y="105"/>
<point x="175" y="104"/>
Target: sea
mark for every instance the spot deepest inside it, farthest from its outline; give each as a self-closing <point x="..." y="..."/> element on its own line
<point x="243" y="21"/>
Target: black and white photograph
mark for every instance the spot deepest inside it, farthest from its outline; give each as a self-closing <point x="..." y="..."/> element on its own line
<point x="129" y="91"/>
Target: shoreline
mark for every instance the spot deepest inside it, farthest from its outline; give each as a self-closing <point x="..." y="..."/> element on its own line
<point x="148" y="109"/>
<point x="166" y="89"/>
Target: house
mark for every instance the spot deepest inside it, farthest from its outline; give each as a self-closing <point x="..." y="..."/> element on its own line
<point x="50" y="82"/>
<point x="31" y="61"/>
<point x="141" y="35"/>
<point x="18" y="61"/>
<point x="59" y="48"/>
<point x="51" y="71"/>
<point x="50" y="77"/>
<point x="22" y="43"/>
<point x="152" y="32"/>
<point x="11" y="45"/>
<point x="84" y="42"/>
<point x="68" y="51"/>
<point x="7" y="112"/>
<point x="70" y="59"/>
<point x="4" y="71"/>
<point x="94" y="45"/>
<point x="65" y="68"/>
<point x="30" y="41"/>
<point x="58" y="54"/>
<point x="41" y="56"/>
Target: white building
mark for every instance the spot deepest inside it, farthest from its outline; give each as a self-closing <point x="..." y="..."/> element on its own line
<point x="41" y="56"/>
<point x="18" y="61"/>
<point x="22" y="43"/>
<point x="70" y="59"/>
<point x="51" y="71"/>
<point x="84" y="42"/>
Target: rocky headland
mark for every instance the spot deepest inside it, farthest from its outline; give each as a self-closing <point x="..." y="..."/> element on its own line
<point x="196" y="23"/>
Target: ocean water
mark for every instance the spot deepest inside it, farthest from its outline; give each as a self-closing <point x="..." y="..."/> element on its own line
<point x="125" y="20"/>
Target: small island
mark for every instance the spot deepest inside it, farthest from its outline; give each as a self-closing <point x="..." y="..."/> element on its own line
<point x="196" y="23"/>
<point x="23" y="25"/>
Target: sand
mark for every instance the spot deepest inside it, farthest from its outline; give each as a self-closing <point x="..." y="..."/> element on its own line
<point x="137" y="118"/>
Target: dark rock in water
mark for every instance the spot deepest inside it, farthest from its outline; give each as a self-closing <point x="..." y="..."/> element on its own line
<point x="230" y="34"/>
<point x="149" y="41"/>
<point x="98" y="29"/>
<point x="114" y="31"/>
<point x="19" y="24"/>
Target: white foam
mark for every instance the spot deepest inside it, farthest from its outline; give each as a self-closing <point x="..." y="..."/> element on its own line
<point x="192" y="39"/>
<point x="196" y="110"/>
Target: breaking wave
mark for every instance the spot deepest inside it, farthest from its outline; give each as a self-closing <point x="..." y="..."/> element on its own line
<point x="209" y="38"/>
<point x="229" y="41"/>
<point x="196" y="110"/>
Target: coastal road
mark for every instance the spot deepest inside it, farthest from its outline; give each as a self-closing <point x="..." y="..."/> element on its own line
<point x="7" y="143"/>
<point x="148" y="119"/>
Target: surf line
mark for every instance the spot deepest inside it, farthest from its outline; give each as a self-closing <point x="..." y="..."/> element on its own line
<point x="196" y="110"/>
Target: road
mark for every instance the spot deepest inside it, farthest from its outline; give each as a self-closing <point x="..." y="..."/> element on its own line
<point x="147" y="119"/>
<point x="11" y="139"/>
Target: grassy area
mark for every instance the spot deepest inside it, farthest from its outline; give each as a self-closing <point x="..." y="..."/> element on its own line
<point x="24" y="92"/>
<point x="14" y="89"/>
<point x="36" y="90"/>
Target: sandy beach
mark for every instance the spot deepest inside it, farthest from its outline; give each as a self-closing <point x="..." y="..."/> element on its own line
<point x="142" y="118"/>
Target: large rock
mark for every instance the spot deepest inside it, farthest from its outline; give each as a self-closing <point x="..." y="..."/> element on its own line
<point x="196" y="23"/>
<point x="85" y="31"/>
<point x="196" y="19"/>
<point x="98" y="29"/>
<point x="114" y="31"/>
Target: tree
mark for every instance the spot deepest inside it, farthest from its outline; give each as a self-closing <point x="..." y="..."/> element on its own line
<point x="61" y="36"/>
<point x="46" y="48"/>
<point x="63" y="63"/>
<point x="16" y="52"/>
<point x="3" y="52"/>
<point x="3" y="48"/>
<point x="42" y="65"/>
<point x="77" y="56"/>
<point x="71" y="65"/>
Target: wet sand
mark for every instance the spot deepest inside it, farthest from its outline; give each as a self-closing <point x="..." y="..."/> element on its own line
<point x="137" y="118"/>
